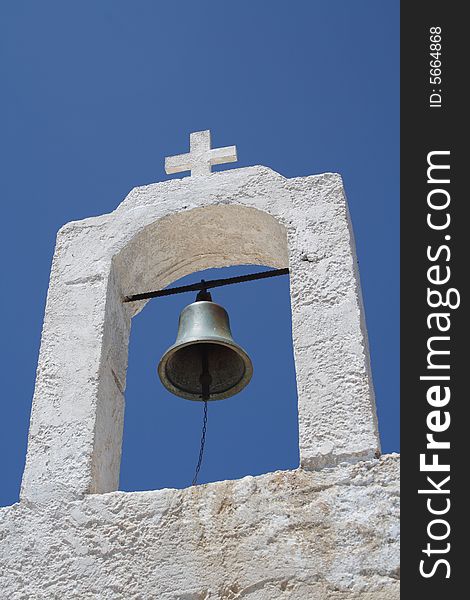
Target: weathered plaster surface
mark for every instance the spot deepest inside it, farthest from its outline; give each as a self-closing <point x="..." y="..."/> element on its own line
<point x="297" y="535"/>
<point x="328" y="530"/>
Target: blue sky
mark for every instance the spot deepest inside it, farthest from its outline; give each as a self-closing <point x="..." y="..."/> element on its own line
<point x="96" y="94"/>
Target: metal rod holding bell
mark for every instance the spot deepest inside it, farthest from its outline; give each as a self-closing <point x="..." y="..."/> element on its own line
<point x="205" y="285"/>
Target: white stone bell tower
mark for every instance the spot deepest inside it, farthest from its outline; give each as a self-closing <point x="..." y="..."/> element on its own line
<point x="326" y="530"/>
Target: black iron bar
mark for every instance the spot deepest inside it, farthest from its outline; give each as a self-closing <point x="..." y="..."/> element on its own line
<point x="204" y="285"/>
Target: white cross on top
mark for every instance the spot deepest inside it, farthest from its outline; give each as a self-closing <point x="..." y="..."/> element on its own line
<point x="200" y="157"/>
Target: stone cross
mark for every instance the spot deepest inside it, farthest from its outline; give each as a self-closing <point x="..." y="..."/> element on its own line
<point x="200" y="157"/>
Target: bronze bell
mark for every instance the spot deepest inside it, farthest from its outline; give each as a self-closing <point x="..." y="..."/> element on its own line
<point x="205" y="363"/>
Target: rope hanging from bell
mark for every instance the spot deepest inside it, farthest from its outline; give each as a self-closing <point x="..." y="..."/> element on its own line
<point x="206" y="381"/>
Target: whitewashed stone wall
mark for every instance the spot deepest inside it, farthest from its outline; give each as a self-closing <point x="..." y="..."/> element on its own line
<point x="289" y="535"/>
<point x="326" y="530"/>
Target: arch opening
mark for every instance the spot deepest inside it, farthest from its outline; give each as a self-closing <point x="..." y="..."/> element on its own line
<point x="181" y="246"/>
<point x="253" y="432"/>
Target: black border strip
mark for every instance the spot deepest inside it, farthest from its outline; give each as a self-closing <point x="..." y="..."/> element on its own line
<point x="429" y="125"/>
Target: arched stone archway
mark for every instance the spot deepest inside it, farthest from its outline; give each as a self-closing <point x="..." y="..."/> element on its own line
<point x="158" y="234"/>
<point x="219" y="235"/>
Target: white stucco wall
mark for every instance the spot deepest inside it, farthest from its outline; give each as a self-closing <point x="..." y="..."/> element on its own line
<point x="290" y="535"/>
<point x="326" y="530"/>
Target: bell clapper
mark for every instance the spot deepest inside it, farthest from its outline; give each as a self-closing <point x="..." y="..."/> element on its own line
<point x="205" y="377"/>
